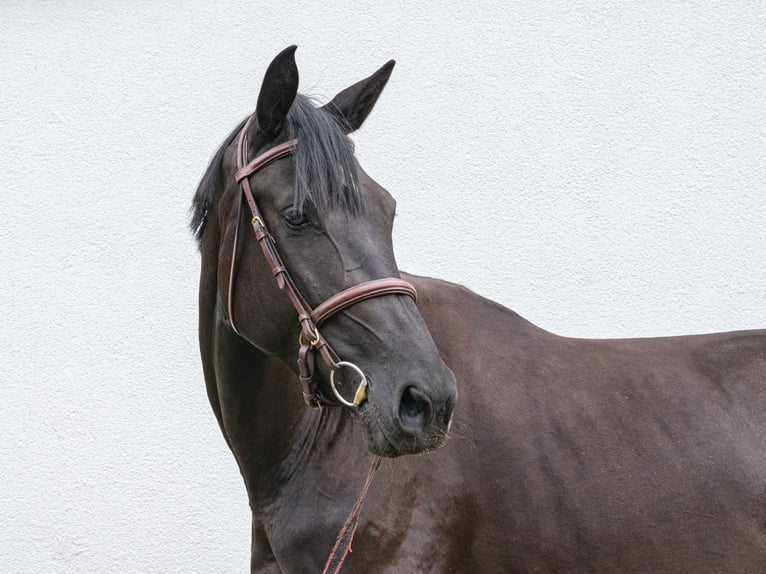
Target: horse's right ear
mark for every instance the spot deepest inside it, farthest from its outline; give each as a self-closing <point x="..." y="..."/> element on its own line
<point x="278" y="90"/>
<point x="354" y="104"/>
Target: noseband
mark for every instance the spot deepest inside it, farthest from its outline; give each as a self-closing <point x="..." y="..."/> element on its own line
<point x="310" y="339"/>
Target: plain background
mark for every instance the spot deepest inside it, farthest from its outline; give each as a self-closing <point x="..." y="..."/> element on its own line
<point x="596" y="166"/>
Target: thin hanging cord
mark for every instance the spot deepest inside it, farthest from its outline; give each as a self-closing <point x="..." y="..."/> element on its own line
<point x="229" y="306"/>
<point x="346" y="535"/>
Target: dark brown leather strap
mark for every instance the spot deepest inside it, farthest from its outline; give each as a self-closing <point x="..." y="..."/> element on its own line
<point x="278" y="151"/>
<point x="359" y="293"/>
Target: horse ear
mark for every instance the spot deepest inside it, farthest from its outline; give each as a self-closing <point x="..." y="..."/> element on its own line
<point x="354" y="104"/>
<point x="278" y="90"/>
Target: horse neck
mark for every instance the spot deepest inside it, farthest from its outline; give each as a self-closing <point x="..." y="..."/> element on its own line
<point x="257" y="398"/>
<point x="276" y="439"/>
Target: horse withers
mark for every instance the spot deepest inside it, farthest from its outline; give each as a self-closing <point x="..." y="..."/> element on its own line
<point x="565" y="455"/>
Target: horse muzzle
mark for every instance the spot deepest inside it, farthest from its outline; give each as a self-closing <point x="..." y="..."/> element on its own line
<point x="417" y="420"/>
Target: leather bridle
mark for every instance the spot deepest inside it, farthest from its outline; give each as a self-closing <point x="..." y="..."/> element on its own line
<point x="310" y="340"/>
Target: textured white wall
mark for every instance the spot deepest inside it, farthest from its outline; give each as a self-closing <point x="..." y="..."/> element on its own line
<point x="597" y="167"/>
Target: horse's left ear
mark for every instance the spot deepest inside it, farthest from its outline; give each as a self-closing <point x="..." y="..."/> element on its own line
<point x="355" y="103"/>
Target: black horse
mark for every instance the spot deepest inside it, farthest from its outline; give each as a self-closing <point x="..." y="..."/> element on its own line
<point x="564" y="455"/>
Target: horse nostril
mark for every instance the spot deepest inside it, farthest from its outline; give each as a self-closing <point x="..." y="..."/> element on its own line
<point x="414" y="409"/>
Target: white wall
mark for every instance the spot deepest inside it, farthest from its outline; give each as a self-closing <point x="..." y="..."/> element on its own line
<point x="598" y="168"/>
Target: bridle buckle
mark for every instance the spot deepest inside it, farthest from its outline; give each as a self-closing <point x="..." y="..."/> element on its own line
<point x="314" y="338"/>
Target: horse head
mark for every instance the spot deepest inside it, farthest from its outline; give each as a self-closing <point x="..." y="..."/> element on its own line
<point x="321" y="226"/>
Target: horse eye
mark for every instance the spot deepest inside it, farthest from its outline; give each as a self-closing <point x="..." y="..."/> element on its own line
<point x="296" y="219"/>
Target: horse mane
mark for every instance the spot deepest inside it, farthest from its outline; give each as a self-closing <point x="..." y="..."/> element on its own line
<point x="323" y="162"/>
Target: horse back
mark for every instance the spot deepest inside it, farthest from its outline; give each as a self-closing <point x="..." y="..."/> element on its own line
<point x="630" y="455"/>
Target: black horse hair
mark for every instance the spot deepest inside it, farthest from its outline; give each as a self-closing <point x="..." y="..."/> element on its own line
<point x="323" y="163"/>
